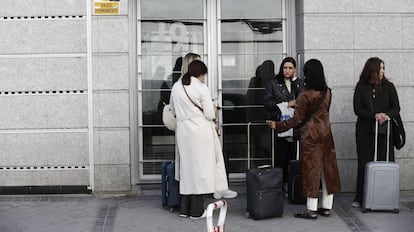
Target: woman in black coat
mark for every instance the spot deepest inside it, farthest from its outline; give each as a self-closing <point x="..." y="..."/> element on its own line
<point x="375" y="98"/>
<point x="282" y="91"/>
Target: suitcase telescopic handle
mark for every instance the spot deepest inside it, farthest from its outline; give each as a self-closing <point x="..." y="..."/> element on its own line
<point x="248" y="144"/>
<point x="376" y="141"/>
<point x="249" y="124"/>
<point x="273" y="147"/>
<point x="297" y="150"/>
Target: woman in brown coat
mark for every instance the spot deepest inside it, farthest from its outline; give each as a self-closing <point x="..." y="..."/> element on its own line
<point x="318" y="158"/>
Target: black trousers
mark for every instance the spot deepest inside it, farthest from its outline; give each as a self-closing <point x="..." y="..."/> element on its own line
<point x="285" y="151"/>
<point x="192" y="205"/>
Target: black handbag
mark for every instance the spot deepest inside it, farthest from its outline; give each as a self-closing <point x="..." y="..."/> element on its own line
<point x="398" y="132"/>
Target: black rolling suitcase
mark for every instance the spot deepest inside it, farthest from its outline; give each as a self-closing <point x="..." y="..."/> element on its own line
<point x="264" y="188"/>
<point x="295" y="189"/>
<point x="169" y="186"/>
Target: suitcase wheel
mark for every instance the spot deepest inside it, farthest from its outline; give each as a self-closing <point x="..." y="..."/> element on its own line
<point x="247" y="215"/>
<point x="396" y="211"/>
<point x="364" y="210"/>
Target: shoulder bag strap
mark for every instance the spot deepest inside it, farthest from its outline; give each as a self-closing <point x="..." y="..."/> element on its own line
<point x="192" y="100"/>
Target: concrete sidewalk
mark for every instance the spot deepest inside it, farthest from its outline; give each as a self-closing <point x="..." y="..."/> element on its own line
<point x="144" y="213"/>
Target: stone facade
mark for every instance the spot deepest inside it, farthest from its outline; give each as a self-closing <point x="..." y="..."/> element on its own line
<point x="44" y="137"/>
<point x="343" y="35"/>
<point x="44" y="96"/>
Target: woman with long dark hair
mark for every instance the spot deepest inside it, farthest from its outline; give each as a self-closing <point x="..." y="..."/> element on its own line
<point x="375" y="98"/>
<point x="318" y="158"/>
<point x="281" y="92"/>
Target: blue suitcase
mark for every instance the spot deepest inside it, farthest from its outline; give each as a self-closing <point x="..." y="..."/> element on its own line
<point x="169" y="186"/>
<point x="382" y="181"/>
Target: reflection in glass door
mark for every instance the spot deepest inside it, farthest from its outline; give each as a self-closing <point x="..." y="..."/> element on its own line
<point x="168" y="30"/>
<point x="248" y="43"/>
<point x="251" y="46"/>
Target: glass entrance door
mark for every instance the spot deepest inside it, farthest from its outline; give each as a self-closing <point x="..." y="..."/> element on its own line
<point x="251" y="46"/>
<point x="167" y="30"/>
<point x="240" y="41"/>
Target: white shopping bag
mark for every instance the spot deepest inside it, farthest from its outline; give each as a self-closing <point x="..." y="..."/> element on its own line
<point x="286" y="113"/>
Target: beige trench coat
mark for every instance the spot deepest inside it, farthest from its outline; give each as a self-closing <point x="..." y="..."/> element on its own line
<point x="199" y="157"/>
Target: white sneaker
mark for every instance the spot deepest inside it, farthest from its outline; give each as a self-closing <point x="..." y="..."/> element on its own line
<point x="356" y="204"/>
<point x="225" y="194"/>
<point x="202" y="216"/>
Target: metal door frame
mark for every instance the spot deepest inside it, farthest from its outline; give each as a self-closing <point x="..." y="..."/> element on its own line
<point x="212" y="47"/>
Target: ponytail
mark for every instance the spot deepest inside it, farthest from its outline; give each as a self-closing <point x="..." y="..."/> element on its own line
<point x="186" y="79"/>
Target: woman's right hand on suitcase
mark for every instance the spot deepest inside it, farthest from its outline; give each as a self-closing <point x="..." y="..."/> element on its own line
<point x="381" y="117"/>
<point x="271" y="124"/>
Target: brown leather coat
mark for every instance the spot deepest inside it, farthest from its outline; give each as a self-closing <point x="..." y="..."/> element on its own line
<point x="317" y="149"/>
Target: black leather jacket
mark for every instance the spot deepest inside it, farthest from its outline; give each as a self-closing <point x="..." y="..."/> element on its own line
<point x="276" y="92"/>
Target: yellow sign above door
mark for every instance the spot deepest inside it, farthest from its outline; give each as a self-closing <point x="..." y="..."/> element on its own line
<point x="106" y="7"/>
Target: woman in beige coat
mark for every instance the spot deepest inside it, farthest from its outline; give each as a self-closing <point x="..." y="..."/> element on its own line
<point x="318" y="158"/>
<point x="201" y="166"/>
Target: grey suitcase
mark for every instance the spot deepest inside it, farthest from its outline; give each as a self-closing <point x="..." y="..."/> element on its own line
<point x="382" y="181"/>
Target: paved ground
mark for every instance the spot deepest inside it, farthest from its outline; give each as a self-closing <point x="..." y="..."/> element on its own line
<point x="71" y="213"/>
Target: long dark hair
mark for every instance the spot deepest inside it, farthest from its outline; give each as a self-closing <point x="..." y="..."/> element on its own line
<point x="314" y="75"/>
<point x="371" y="71"/>
<point x="195" y="69"/>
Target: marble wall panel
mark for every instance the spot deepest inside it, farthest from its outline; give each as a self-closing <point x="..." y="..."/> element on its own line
<point x="43" y="36"/>
<point x="111" y="147"/>
<point x="44" y="177"/>
<point x="110" y="34"/>
<point x="369" y="32"/>
<point x="328" y="6"/>
<point x="112" y="178"/>
<point x="44" y="149"/>
<point x="34" y="74"/>
<point x="110" y="72"/>
<point x="42" y="7"/>
<point x="328" y="32"/>
<point x="44" y="111"/>
<point x="111" y="109"/>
